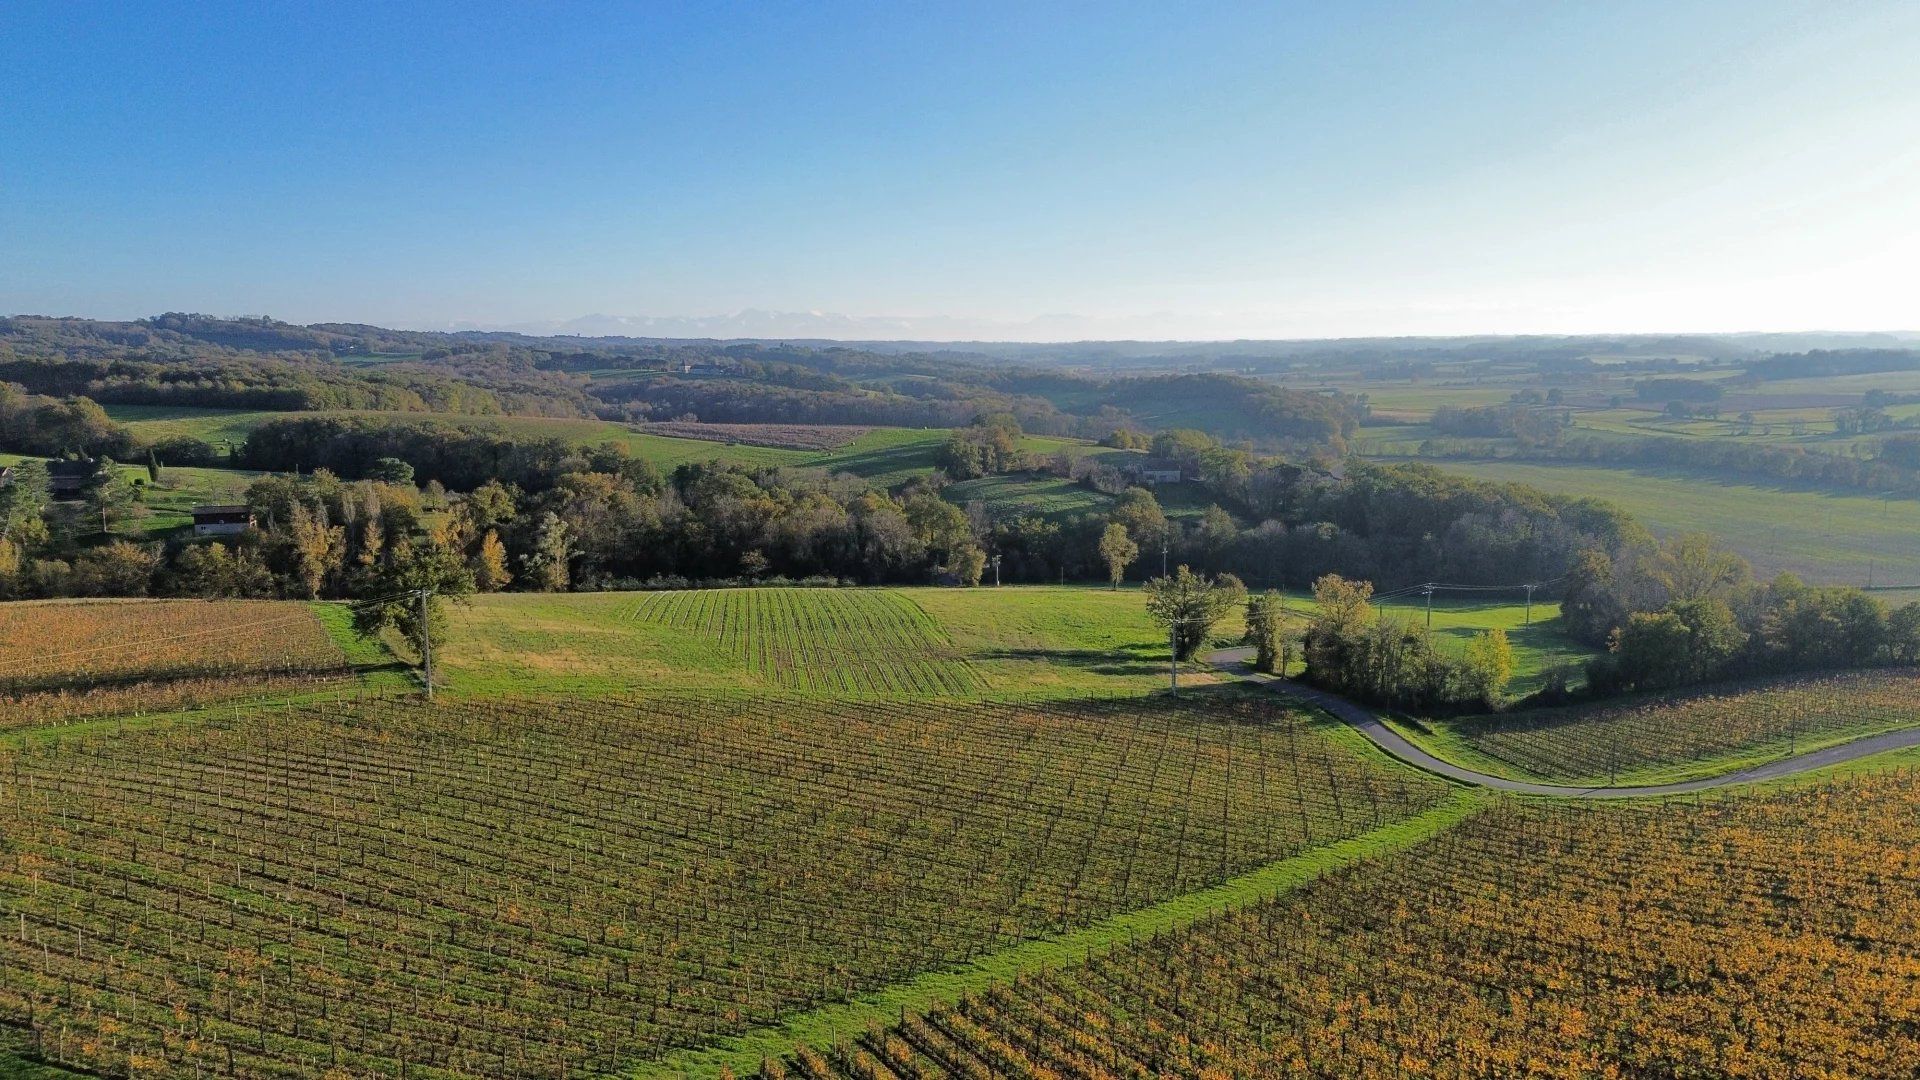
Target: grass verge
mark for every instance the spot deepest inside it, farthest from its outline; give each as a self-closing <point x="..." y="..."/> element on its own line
<point x="821" y="1027"/>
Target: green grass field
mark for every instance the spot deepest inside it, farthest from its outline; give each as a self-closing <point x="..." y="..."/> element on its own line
<point x="859" y="643"/>
<point x="844" y="642"/>
<point x="1022" y="641"/>
<point x="1016" y="494"/>
<point x="1828" y="539"/>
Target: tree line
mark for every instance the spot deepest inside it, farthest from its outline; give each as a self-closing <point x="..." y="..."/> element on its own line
<point x="1685" y="611"/>
<point x="1891" y="470"/>
<point x="376" y="501"/>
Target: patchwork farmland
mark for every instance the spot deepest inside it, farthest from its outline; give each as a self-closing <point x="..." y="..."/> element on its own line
<point x="527" y="889"/>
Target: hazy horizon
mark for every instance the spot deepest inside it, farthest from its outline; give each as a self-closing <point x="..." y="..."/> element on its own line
<point x="943" y="330"/>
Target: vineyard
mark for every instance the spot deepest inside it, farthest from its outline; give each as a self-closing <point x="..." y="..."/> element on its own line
<point x="63" y="661"/>
<point x="1590" y="743"/>
<point x="515" y="888"/>
<point x="840" y="641"/>
<point x="784" y="436"/>
<point x="1774" y="936"/>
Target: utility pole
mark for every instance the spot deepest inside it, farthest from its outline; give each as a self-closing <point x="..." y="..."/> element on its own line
<point x="1163" y="558"/>
<point x="1173" y="657"/>
<point x="1530" y="589"/>
<point x="996" y="570"/>
<point x="1429" y="591"/>
<point x="426" y="641"/>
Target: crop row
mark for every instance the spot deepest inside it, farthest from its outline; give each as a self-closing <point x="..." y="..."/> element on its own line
<point x="63" y="661"/>
<point x="1585" y="742"/>
<point x="1774" y="936"/>
<point x="510" y="888"/>
<point x="851" y="641"/>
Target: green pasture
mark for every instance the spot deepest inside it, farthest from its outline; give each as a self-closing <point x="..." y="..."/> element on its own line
<point x="1826" y="538"/>
<point x="1015" y="494"/>
<point x="1413" y="402"/>
<point x="859" y="643"/>
<point x="1024" y="640"/>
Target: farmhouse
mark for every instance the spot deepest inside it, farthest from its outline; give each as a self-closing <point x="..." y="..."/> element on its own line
<point x="1156" y="471"/>
<point x="67" y="479"/>
<point x="221" y="519"/>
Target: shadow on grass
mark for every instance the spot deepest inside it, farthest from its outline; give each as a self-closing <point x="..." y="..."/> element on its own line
<point x="1124" y="660"/>
<point x="883" y="460"/>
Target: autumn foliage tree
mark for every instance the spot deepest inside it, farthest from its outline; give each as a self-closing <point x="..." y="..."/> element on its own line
<point x="1118" y="551"/>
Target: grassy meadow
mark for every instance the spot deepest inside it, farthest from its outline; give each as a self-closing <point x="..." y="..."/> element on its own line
<point x="1826" y="538"/>
<point x="858" y="643"/>
<point x="882" y="642"/>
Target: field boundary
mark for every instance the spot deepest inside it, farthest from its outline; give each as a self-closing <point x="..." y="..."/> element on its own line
<point x="823" y="1026"/>
<point x="1373" y="725"/>
<point x="1450" y="747"/>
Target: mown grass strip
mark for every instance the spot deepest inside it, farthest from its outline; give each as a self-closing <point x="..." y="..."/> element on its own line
<point x="822" y="1026"/>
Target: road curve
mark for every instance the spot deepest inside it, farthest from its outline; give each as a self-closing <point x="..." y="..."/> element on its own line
<point x="1368" y="723"/>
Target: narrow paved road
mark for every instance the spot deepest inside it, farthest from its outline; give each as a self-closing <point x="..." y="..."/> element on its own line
<point x="1368" y="723"/>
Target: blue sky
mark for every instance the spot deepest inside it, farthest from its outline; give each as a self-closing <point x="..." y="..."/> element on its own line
<point x="1149" y="170"/>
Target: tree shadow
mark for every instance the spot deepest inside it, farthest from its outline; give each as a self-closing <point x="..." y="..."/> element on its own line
<point x="1121" y="660"/>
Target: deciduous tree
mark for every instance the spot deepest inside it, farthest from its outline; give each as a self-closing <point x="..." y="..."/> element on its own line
<point x="1192" y="605"/>
<point x="1118" y="551"/>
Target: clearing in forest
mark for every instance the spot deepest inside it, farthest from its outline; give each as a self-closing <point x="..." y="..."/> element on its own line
<point x="523" y="888"/>
<point x="847" y="641"/>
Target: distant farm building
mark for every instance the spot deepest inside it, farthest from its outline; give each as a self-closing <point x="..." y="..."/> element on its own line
<point x="68" y="479"/>
<point x="1156" y="471"/>
<point x="221" y="520"/>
